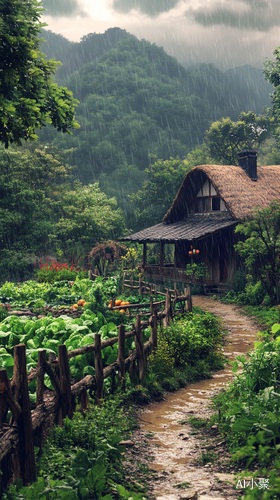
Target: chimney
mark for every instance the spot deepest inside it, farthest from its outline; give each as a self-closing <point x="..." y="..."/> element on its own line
<point x="247" y="159"/>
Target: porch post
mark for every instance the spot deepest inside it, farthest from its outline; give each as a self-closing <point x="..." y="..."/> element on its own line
<point x="144" y="254"/>
<point x="161" y="260"/>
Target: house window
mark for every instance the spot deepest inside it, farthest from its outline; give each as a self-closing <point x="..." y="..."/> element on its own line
<point x="207" y="199"/>
<point x="216" y="203"/>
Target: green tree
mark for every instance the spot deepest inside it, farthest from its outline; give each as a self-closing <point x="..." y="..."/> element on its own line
<point x="42" y="210"/>
<point x="82" y="217"/>
<point x="261" y="248"/>
<point x="29" y="98"/>
<point x="226" y="138"/>
<point x="26" y="180"/>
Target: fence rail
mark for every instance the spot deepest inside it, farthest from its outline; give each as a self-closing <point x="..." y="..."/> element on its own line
<point x="25" y="426"/>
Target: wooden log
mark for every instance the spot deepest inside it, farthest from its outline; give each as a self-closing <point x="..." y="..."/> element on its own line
<point x="86" y="383"/>
<point x="65" y="384"/>
<point x="25" y="457"/>
<point x="98" y="368"/>
<point x="83" y="399"/>
<point x="151" y="304"/>
<point x="121" y="356"/>
<point x="54" y="379"/>
<point x="139" y="348"/>
<point x="188" y="305"/>
<point x="165" y="319"/>
<point x="91" y="347"/>
<point x="7" y="399"/>
<point x="40" y="377"/>
<point x="154" y="330"/>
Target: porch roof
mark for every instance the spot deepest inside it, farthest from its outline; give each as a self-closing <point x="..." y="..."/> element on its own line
<point x="191" y="228"/>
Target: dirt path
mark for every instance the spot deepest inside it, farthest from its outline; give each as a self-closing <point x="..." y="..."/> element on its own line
<point x="172" y="450"/>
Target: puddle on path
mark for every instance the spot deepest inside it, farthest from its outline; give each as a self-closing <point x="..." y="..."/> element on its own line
<point x="171" y="452"/>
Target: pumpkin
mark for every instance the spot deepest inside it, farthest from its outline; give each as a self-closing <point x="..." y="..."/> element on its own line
<point x="127" y="303"/>
<point x="75" y="306"/>
<point x="81" y="302"/>
<point x="118" y="302"/>
<point x="123" y="303"/>
<point x="122" y="311"/>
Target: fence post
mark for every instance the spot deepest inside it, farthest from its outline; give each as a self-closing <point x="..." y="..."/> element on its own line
<point x="25" y="457"/>
<point x="7" y="399"/>
<point x="140" y="285"/>
<point x="123" y="282"/>
<point x="121" y="356"/>
<point x="154" y="330"/>
<point x="132" y="369"/>
<point x="65" y="384"/>
<point x="155" y="292"/>
<point x="139" y="347"/>
<point x="168" y="309"/>
<point x="40" y="378"/>
<point x="189" y="298"/>
<point x="151" y="304"/>
<point x="83" y="399"/>
<point x="98" y="367"/>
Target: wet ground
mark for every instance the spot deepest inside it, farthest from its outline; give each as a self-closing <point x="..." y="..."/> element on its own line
<point x="172" y="449"/>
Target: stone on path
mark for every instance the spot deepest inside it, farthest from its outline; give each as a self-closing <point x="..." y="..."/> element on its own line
<point x="127" y="444"/>
<point x="167" y="497"/>
<point x="188" y="495"/>
<point x="208" y="497"/>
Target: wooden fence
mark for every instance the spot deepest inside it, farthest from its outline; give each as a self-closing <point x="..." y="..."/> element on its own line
<point x="25" y="428"/>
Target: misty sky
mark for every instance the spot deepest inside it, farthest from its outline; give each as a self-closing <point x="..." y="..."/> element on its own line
<point x="227" y="33"/>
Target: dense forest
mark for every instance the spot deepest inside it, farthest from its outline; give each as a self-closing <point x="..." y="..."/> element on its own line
<point x="137" y="101"/>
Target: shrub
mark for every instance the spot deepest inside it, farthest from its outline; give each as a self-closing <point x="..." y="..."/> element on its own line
<point x="54" y="271"/>
<point x="162" y="360"/>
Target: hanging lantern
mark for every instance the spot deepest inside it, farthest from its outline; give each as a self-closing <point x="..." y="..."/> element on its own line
<point x="197" y="252"/>
<point x="190" y="252"/>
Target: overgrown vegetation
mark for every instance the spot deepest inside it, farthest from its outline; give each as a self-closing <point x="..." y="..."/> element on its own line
<point x="83" y="459"/>
<point x="249" y="412"/>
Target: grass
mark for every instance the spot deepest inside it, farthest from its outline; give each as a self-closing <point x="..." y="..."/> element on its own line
<point x="182" y="486"/>
<point x="206" y="457"/>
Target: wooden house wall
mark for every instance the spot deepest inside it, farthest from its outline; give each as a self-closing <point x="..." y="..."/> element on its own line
<point x="216" y="251"/>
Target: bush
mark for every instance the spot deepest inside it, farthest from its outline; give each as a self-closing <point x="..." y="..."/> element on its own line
<point x="162" y="360"/>
<point x="193" y="337"/>
<point x="55" y="271"/>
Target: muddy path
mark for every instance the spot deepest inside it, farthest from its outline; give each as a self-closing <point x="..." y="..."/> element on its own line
<point x="173" y="450"/>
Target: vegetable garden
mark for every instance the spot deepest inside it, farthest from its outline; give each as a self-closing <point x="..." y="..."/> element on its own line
<point x="47" y="362"/>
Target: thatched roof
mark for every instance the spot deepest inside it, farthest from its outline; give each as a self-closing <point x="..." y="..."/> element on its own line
<point x="191" y="228"/>
<point x="232" y="184"/>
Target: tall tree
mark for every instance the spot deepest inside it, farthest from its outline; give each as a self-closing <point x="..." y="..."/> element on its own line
<point x="29" y="98"/>
<point x="226" y="138"/>
<point x="261" y="248"/>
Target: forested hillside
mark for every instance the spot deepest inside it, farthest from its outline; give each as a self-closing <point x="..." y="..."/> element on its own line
<point x="135" y="101"/>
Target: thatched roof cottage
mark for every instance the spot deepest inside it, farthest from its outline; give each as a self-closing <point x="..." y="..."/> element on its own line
<point x="209" y="204"/>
